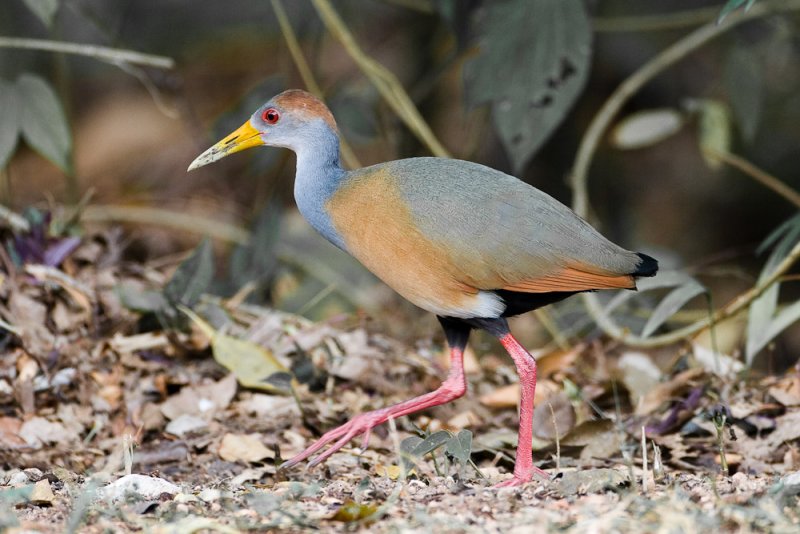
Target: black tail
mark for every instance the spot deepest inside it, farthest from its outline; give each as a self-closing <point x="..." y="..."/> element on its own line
<point x="647" y="266"/>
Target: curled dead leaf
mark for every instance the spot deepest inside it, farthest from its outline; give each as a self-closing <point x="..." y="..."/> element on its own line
<point x="244" y="448"/>
<point x="42" y="494"/>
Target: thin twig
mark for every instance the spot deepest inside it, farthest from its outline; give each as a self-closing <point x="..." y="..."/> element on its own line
<point x="661" y="21"/>
<point x="102" y="53"/>
<point x="305" y="73"/>
<point x="558" y="439"/>
<point x="645" y="489"/>
<point x="642" y="76"/>
<point x="599" y="126"/>
<point x="735" y="306"/>
<point x="15" y="221"/>
<point x="384" y="80"/>
<point x="547" y="322"/>
<point x="760" y="176"/>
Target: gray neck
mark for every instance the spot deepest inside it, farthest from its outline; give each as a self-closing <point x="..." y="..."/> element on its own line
<point x="318" y="176"/>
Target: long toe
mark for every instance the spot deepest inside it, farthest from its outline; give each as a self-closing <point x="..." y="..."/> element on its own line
<point x="521" y="478"/>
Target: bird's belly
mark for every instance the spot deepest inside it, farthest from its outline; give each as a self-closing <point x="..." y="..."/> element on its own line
<point x="419" y="278"/>
<point x="378" y="230"/>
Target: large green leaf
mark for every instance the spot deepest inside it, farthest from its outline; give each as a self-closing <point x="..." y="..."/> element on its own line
<point x="673" y="302"/>
<point x="533" y="63"/>
<point x="9" y="125"/>
<point x="733" y="5"/>
<point x="44" y="9"/>
<point x="763" y="323"/>
<point x="43" y="122"/>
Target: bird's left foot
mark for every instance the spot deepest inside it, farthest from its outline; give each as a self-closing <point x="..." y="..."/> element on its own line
<point x="522" y="477"/>
<point x="340" y="436"/>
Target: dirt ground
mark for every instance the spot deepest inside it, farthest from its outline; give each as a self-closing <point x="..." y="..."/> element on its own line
<point x="130" y="407"/>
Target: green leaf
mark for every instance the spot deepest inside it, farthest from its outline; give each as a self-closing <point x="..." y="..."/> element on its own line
<point x="192" y="277"/>
<point x="431" y="443"/>
<point x="744" y="81"/>
<point x="42" y="120"/>
<point x="9" y="125"/>
<point x="351" y="511"/>
<point x="134" y="298"/>
<point x="533" y="64"/>
<point x="732" y="6"/>
<point x="45" y="10"/>
<point x="407" y="458"/>
<point x="459" y="447"/>
<point x="673" y="302"/>
<point x="253" y="365"/>
<point x="664" y="279"/>
<point x="763" y="325"/>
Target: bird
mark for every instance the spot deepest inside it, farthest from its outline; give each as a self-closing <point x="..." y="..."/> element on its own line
<point x="464" y="241"/>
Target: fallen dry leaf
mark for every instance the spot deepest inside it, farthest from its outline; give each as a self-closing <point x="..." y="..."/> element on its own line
<point x="9" y="432"/>
<point x="244" y="448"/>
<point x="787" y="391"/>
<point x="716" y="362"/>
<point x="42" y="494"/>
<point x="186" y="424"/>
<point x="203" y="400"/>
<point x="639" y="374"/>
<point x="252" y="365"/>
<point x="38" y="432"/>
<point x="666" y="391"/>
<point x="555" y="407"/>
<point x="463" y="420"/>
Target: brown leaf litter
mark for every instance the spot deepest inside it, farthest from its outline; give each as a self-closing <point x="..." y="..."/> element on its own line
<point x="97" y="396"/>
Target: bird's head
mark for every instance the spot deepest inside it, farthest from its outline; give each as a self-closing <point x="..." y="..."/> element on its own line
<point x="293" y="119"/>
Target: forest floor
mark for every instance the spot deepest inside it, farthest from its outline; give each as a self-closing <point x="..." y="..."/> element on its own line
<point x="124" y="411"/>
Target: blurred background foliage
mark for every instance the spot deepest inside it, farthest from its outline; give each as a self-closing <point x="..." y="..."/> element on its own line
<point x="513" y="84"/>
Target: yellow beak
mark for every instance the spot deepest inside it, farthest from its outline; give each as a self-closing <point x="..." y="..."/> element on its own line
<point x="243" y="138"/>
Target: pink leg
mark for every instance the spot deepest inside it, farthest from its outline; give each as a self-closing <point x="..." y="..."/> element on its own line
<point x="452" y="388"/>
<point x="526" y="368"/>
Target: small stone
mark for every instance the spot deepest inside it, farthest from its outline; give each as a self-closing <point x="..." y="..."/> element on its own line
<point x="182" y="498"/>
<point x="19" y="478"/>
<point x="34" y="474"/>
<point x="210" y="495"/>
<point x="140" y="486"/>
<point x="42" y="494"/>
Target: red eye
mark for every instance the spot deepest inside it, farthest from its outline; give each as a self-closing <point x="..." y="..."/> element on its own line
<point x="271" y="116"/>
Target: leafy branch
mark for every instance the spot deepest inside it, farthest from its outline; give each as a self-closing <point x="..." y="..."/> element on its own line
<point x="591" y="141"/>
<point x="305" y="73"/>
<point x="115" y="56"/>
<point x="382" y="78"/>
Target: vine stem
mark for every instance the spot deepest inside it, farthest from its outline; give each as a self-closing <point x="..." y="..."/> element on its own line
<point x="759" y="175"/>
<point x="103" y="53"/>
<point x="306" y="74"/>
<point x="598" y="127"/>
<point x="382" y="78"/>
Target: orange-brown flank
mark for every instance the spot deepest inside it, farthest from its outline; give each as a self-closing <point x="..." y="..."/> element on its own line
<point x="378" y="230"/>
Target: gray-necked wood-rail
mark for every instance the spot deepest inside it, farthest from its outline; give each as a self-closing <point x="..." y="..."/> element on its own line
<point x="466" y="242"/>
